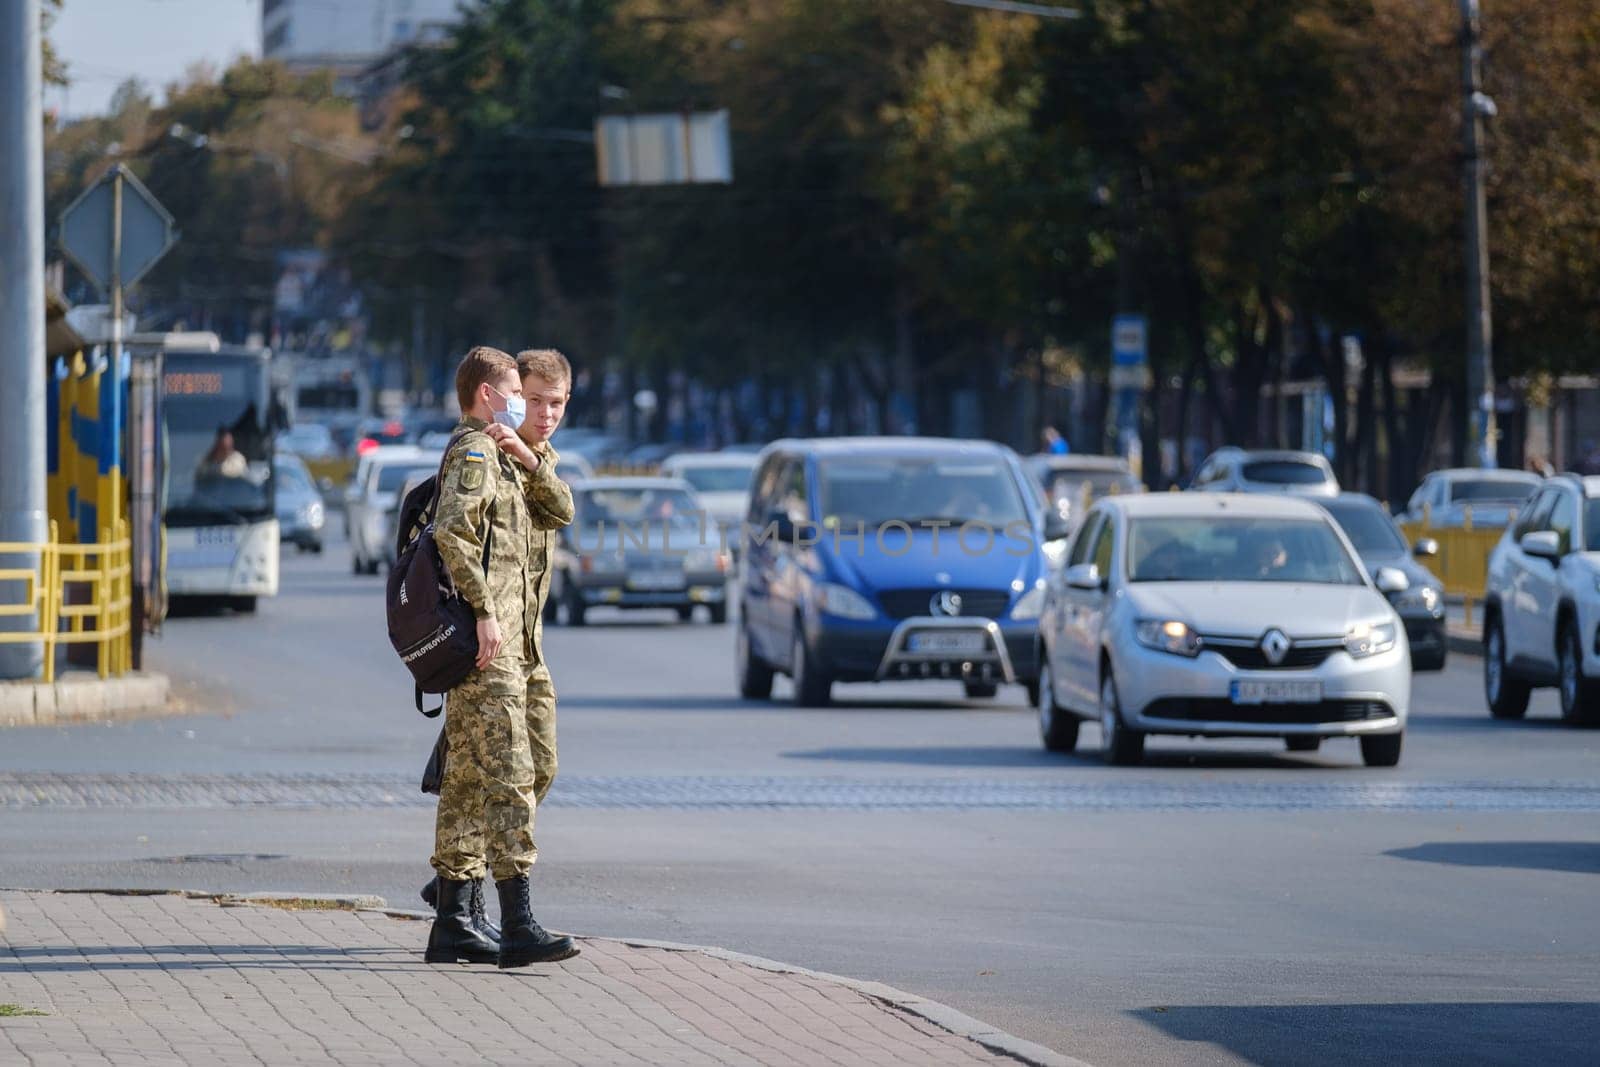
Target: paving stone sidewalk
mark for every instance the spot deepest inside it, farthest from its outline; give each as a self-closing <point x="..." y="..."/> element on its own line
<point x="174" y="978"/>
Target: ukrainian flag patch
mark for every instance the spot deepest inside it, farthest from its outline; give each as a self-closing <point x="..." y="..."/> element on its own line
<point x="474" y="457"/>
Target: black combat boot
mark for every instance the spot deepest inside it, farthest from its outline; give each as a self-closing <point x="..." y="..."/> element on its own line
<point x="480" y="914"/>
<point x="454" y="937"/>
<point x="522" y="940"/>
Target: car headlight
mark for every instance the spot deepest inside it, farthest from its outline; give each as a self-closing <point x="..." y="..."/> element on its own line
<point x="1422" y="596"/>
<point x="844" y="602"/>
<point x="1369" y="639"/>
<point x="1168" y="635"/>
<point x="311" y="515"/>
<point x="1030" y="604"/>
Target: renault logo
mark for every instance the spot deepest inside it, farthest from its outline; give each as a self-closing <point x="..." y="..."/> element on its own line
<point x="1275" y="646"/>
<point x="945" y="602"/>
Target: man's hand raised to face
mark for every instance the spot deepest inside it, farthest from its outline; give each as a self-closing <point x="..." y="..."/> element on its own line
<point x="513" y="446"/>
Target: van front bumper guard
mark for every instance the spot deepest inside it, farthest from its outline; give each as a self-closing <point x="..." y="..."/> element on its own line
<point x="962" y="648"/>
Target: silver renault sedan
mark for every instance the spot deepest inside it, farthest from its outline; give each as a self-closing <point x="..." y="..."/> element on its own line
<point x="1221" y="615"/>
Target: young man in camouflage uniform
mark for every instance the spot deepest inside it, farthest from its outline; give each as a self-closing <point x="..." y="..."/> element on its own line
<point x="486" y="798"/>
<point x="546" y="387"/>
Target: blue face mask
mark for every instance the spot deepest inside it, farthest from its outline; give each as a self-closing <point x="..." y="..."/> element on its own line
<point x="516" y="410"/>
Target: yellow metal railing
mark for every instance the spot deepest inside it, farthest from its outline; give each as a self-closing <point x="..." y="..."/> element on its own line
<point x="1462" y="564"/>
<point x="100" y="578"/>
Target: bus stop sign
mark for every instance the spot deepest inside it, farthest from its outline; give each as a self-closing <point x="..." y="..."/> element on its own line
<point x="88" y="229"/>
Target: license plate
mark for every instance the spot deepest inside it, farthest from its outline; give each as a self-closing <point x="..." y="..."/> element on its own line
<point x="1276" y="692"/>
<point x="957" y="642"/>
<point x="655" y="581"/>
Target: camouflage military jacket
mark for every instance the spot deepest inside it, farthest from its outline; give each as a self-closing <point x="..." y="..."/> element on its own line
<point x="479" y="479"/>
<point x="549" y="503"/>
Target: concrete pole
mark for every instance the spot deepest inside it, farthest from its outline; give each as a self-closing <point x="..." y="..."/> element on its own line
<point x="1481" y="430"/>
<point x="24" y="514"/>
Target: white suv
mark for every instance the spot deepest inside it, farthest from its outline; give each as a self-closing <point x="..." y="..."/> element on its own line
<point x="1542" y="607"/>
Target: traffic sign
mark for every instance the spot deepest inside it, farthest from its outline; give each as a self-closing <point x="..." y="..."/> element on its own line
<point x="1128" y="344"/>
<point x="88" y="229"/>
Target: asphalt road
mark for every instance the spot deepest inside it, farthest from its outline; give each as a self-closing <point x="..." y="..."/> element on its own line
<point x="1226" y="903"/>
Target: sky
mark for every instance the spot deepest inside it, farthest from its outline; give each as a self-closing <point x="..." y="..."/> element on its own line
<point x="104" y="42"/>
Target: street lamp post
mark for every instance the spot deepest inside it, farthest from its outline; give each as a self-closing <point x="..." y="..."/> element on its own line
<point x="1475" y="107"/>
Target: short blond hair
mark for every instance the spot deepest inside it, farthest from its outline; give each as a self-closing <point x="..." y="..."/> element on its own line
<point x="482" y="364"/>
<point x="546" y="363"/>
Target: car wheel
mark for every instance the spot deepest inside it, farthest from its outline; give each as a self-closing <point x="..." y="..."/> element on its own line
<point x="356" y="566"/>
<point x="685" y="612"/>
<point x="1058" y="727"/>
<point x="244" y="605"/>
<point x="1119" y="745"/>
<point x="812" y="687"/>
<point x="1381" y="750"/>
<point x="1507" y="696"/>
<point x="575" y="605"/>
<point x="755" y="677"/>
<point x="1298" y="743"/>
<point x="719" y="613"/>
<point x="980" y="690"/>
<point x="1580" y="697"/>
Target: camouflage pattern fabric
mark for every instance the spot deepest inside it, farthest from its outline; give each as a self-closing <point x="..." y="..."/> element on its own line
<point x="486" y="800"/>
<point x="550" y="508"/>
<point x="478" y="477"/>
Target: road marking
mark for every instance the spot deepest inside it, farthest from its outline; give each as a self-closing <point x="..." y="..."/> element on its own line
<point x="732" y="793"/>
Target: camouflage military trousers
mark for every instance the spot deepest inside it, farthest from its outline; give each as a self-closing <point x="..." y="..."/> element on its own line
<point x="486" y="799"/>
<point x="540" y="704"/>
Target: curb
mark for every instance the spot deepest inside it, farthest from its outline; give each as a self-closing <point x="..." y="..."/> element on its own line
<point x="79" y="698"/>
<point x="940" y="1015"/>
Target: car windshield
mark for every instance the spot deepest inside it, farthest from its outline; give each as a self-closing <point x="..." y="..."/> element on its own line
<point x="1469" y="490"/>
<point x="635" y="505"/>
<point x="1208" y="548"/>
<point x="310" y="439"/>
<point x="1369" y="529"/>
<point x="393" y="475"/>
<point x="718" y="479"/>
<point x="293" y="477"/>
<point x="1069" y="485"/>
<point x="873" y="490"/>
<point x="1284" y="472"/>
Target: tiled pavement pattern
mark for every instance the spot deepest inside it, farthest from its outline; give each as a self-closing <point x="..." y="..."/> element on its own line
<point x="168" y="979"/>
<point x="47" y="789"/>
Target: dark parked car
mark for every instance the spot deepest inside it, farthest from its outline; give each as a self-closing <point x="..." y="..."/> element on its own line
<point x="1379" y="543"/>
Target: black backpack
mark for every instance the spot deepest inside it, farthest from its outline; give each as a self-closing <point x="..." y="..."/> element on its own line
<point x="434" y="630"/>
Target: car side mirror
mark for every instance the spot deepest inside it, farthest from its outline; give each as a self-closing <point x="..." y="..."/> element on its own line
<point x="1085" y="576"/>
<point x="1392" y="580"/>
<point x="1546" y="544"/>
<point x="1426" y="548"/>
<point x="1056" y="526"/>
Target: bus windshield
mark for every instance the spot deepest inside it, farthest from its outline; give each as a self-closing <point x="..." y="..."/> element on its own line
<point x="219" y="448"/>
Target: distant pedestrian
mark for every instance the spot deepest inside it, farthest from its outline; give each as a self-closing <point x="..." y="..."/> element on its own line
<point x="484" y="532"/>
<point x="1054" y="443"/>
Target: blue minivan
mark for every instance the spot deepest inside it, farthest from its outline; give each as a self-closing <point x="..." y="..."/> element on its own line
<point x="891" y="558"/>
